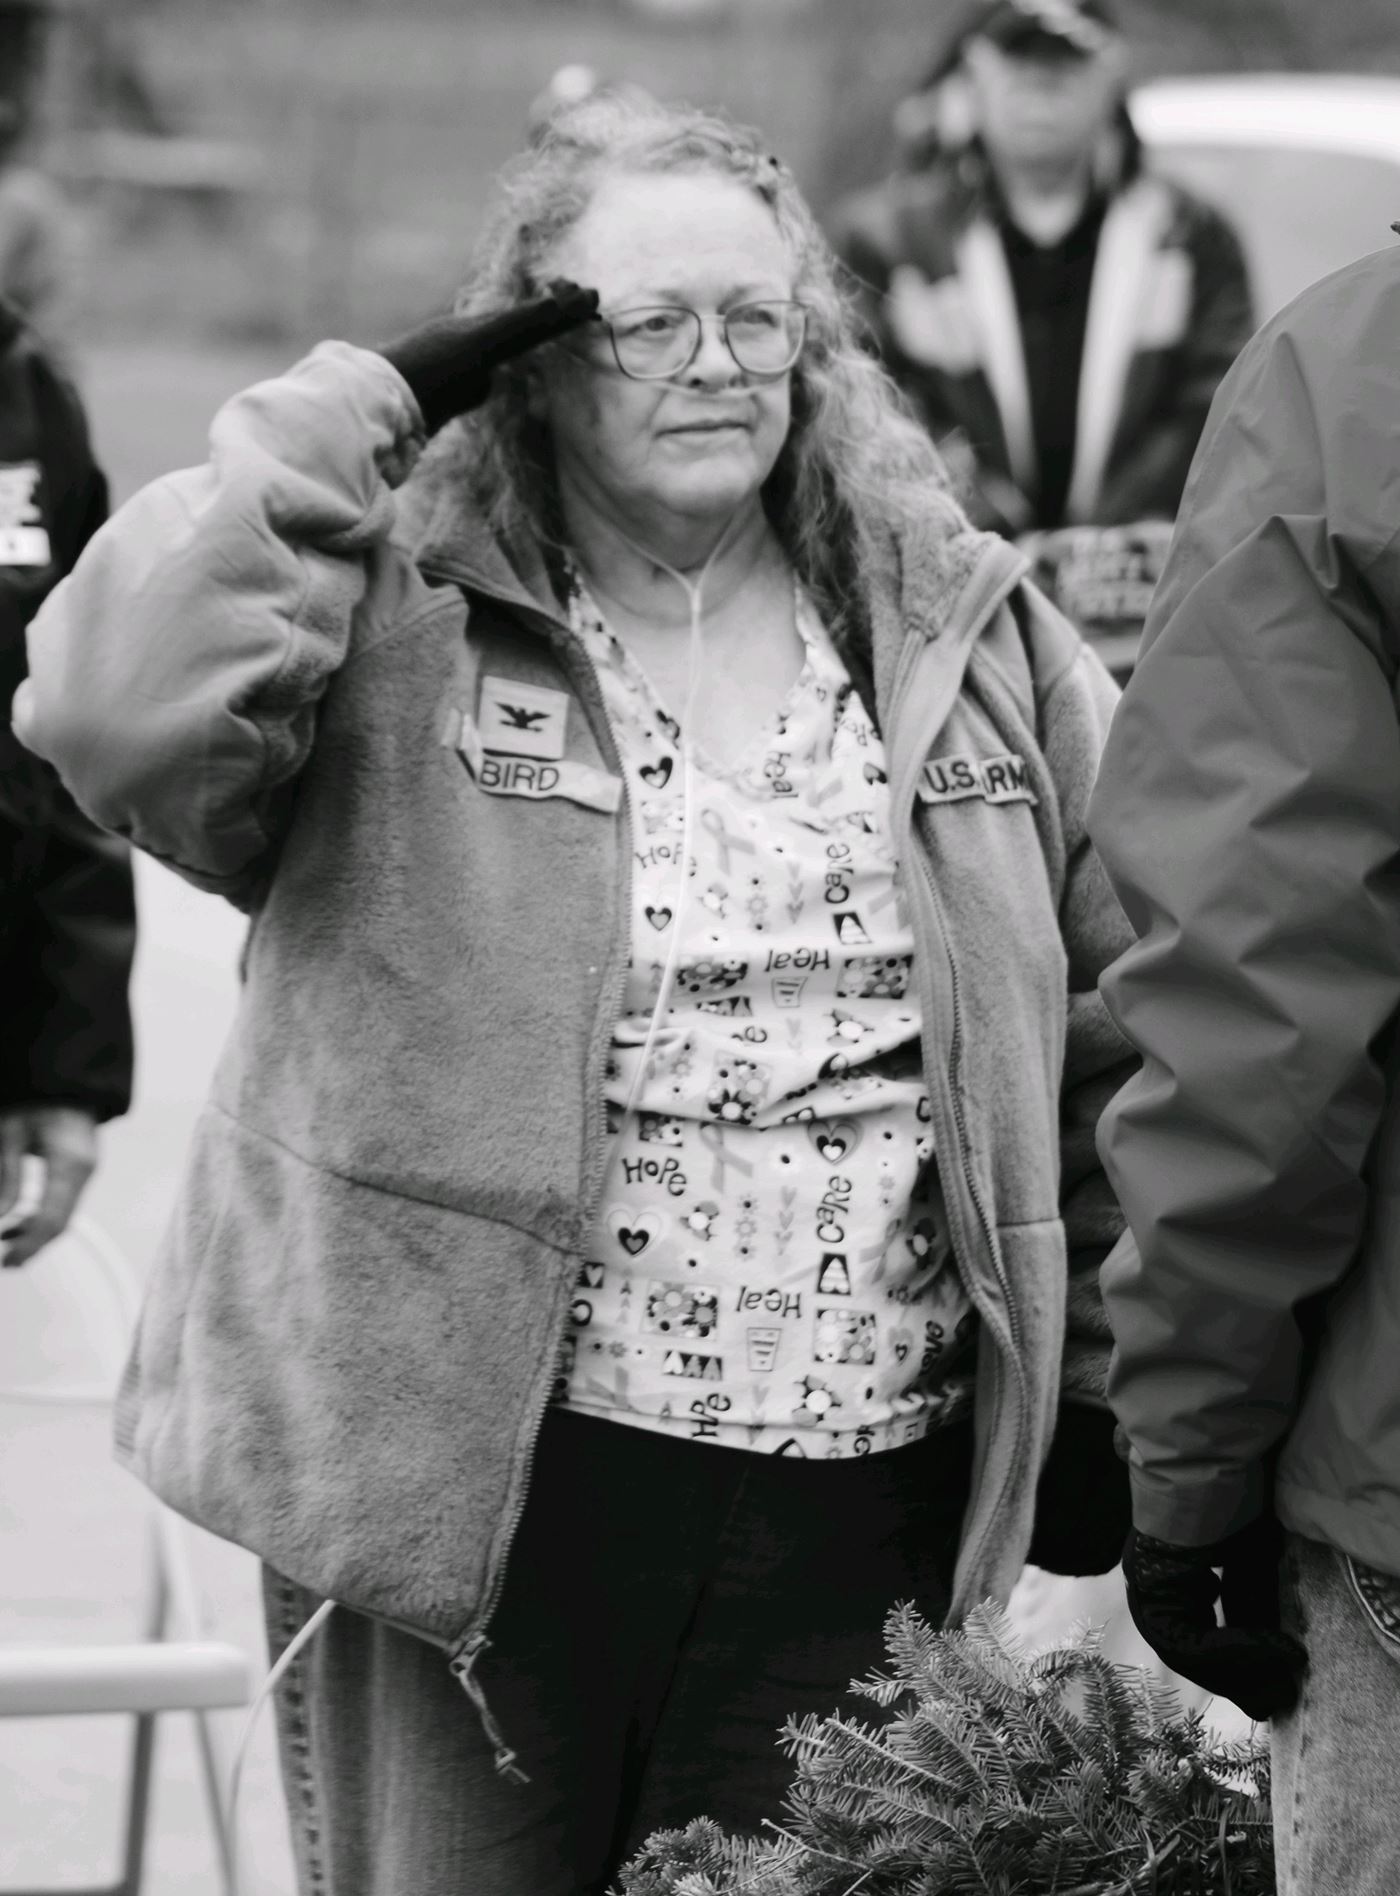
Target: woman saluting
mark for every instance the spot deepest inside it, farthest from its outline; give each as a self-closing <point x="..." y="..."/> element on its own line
<point x="630" y="1240"/>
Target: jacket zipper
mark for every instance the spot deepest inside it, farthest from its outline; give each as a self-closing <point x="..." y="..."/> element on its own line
<point x="462" y="1665"/>
<point x="463" y="1656"/>
<point x="969" y="1172"/>
<point x="948" y="1097"/>
<point x="986" y="598"/>
<point x="967" y="1178"/>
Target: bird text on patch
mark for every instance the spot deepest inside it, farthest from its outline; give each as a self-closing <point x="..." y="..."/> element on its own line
<point x="1001" y="779"/>
<point x="503" y="775"/>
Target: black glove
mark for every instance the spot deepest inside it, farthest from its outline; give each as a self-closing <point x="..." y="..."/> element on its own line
<point x="1172" y="1593"/>
<point x="448" y="361"/>
<point x="1083" y="1506"/>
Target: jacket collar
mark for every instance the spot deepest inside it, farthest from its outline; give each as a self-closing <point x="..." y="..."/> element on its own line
<point x="926" y="582"/>
<point x="451" y="539"/>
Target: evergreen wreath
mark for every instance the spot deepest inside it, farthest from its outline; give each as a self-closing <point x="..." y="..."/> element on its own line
<point x="994" y="1773"/>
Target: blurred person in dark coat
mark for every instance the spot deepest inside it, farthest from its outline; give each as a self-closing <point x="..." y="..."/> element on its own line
<point x="67" y="913"/>
<point x="37" y="249"/>
<point x="1058" y="315"/>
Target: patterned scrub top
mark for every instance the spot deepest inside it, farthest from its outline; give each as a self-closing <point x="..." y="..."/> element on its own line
<point x="770" y="1265"/>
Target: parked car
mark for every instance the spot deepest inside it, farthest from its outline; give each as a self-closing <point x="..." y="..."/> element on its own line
<point x="1307" y="167"/>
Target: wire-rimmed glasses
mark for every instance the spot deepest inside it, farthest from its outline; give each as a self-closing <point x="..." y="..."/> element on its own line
<point x="658" y="340"/>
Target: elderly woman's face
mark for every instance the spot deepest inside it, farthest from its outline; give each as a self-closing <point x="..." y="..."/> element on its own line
<point x="700" y="444"/>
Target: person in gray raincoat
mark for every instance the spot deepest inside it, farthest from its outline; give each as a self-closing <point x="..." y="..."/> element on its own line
<point x="1248" y="814"/>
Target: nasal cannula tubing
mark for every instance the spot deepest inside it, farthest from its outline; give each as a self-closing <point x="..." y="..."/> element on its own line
<point x="265" y="1691"/>
<point x="694" y="594"/>
<point x="693" y="591"/>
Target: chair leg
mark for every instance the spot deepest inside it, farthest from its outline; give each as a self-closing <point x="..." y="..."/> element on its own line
<point x="158" y="1591"/>
<point x="216" y="1785"/>
<point x="138" y="1804"/>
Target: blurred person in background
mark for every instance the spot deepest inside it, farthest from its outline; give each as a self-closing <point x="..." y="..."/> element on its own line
<point x="570" y="86"/>
<point x="1058" y="316"/>
<point x="38" y="248"/>
<point x="647" y="1221"/>
<point x="1257" y="1154"/>
<point x="67" y="913"/>
<point x="38" y="230"/>
<point x="566" y="86"/>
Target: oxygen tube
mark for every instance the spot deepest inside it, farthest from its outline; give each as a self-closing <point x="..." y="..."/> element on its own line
<point x="269" y="1685"/>
<point x="693" y="591"/>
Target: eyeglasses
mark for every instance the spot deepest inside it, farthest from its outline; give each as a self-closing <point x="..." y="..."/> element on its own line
<point x="654" y="343"/>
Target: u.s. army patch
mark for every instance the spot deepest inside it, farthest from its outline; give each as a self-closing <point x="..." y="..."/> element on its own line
<point x="1001" y="779"/>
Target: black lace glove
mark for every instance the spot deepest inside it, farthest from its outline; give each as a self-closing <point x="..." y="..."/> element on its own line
<point x="449" y="361"/>
<point x="1083" y="1506"/>
<point x="1172" y="1593"/>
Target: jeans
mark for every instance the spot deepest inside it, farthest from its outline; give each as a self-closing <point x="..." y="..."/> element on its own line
<point x="1336" y="1787"/>
<point x="668" y="1605"/>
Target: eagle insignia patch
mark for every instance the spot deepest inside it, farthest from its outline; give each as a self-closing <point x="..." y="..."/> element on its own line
<point x="522" y="720"/>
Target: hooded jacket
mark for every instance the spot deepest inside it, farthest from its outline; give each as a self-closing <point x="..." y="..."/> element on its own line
<point x="351" y="1332"/>
<point x="1248" y="811"/>
<point x="1169" y="308"/>
<point x="67" y="907"/>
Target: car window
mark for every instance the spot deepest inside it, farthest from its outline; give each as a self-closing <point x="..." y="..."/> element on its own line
<point x="1300" y="214"/>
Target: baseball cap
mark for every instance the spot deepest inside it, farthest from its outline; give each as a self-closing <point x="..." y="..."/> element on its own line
<point x="1055" y="29"/>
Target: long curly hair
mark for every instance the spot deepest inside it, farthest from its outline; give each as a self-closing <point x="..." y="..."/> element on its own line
<point x="854" y="465"/>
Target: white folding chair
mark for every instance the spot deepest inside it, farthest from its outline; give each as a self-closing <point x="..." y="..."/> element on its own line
<point x="175" y="1668"/>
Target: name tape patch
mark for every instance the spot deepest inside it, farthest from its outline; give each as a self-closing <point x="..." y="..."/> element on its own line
<point x="536" y="778"/>
<point x="995" y="779"/>
<point x="524" y="720"/>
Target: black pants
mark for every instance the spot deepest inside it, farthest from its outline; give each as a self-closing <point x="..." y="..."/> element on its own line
<point x="668" y="1606"/>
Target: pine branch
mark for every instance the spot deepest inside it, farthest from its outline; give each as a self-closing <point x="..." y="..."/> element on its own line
<point x="1058" y="1774"/>
<point x="1134" y="1882"/>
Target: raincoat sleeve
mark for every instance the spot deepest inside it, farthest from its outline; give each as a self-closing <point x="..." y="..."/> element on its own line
<point x="1248" y="814"/>
<point x="175" y="675"/>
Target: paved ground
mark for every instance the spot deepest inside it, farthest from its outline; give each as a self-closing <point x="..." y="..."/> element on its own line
<point x="69" y="1521"/>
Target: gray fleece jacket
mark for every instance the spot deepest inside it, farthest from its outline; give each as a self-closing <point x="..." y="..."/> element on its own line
<point x="351" y="1331"/>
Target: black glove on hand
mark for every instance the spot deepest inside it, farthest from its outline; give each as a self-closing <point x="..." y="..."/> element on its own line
<point x="1172" y="1593"/>
<point x="448" y="362"/>
<point x="1083" y="1506"/>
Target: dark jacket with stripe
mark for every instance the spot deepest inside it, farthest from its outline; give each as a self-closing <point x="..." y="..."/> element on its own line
<point x="67" y="913"/>
<point x="1169" y="309"/>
